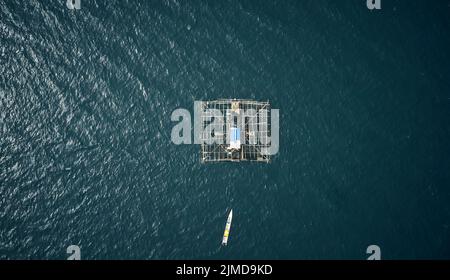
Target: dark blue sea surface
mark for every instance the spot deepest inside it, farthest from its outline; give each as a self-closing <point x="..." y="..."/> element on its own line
<point x="86" y="156"/>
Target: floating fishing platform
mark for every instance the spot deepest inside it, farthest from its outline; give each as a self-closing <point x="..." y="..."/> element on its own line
<point x="243" y="131"/>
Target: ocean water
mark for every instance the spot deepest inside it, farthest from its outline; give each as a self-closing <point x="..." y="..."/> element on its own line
<point x="85" y="151"/>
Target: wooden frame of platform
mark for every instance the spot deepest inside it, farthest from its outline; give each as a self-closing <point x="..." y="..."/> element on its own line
<point x="240" y="114"/>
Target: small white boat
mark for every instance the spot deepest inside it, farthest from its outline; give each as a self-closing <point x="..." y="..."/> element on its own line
<point x="227" y="228"/>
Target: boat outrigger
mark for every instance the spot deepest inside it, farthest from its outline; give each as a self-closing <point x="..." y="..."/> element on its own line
<point x="227" y="228"/>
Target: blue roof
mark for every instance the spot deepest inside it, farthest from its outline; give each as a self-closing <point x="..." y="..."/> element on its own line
<point x="235" y="134"/>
